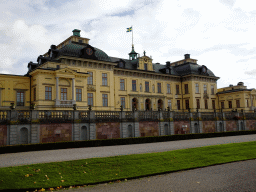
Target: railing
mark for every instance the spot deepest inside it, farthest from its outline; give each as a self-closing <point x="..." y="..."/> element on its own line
<point x="83" y="115"/>
<point x="107" y="115"/>
<point x="24" y="115"/>
<point x="230" y="116"/>
<point x="207" y="116"/>
<point x="195" y="116"/>
<point x="66" y="102"/>
<point x="3" y="115"/>
<point x="166" y="115"/>
<point x="180" y="116"/>
<point x="148" y="115"/>
<point x="250" y="116"/>
<point x="55" y="116"/>
<point x="129" y="115"/>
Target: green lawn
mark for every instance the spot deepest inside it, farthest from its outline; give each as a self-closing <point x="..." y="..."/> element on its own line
<point x="82" y="172"/>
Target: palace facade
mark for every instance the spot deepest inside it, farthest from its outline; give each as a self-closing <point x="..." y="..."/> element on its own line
<point x="76" y="73"/>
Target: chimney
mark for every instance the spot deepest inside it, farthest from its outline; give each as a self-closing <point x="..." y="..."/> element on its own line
<point x="187" y="56"/>
<point x="53" y="47"/>
<point x="168" y="63"/>
<point x="76" y="32"/>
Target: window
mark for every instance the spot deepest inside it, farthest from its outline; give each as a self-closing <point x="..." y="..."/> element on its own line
<point x="197" y="88"/>
<point x="168" y="88"/>
<point x="205" y="89"/>
<point x="146" y="86"/>
<point x="20" y="98"/>
<point x="187" y="104"/>
<point x="133" y="85"/>
<point x="90" y="79"/>
<point x="79" y="94"/>
<point x="34" y="94"/>
<point x="104" y="79"/>
<point x="159" y="87"/>
<point x="186" y="88"/>
<point x="122" y="84"/>
<point x="230" y="104"/>
<point x="212" y="89"/>
<point x="222" y="105"/>
<point x="140" y="88"/>
<point x="213" y="104"/>
<point x="145" y="66"/>
<point x="178" y="104"/>
<point x="237" y="103"/>
<point x="80" y="41"/>
<point x="170" y="104"/>
<point x="63" y="93"/>
<point x="121" y="64"/>
<point x="205" y="104"/>
<point x="90" y="99"/>
<point x="123" y="102"/>
<point x="197" y="103"/>
<point x="48" y="93"/>
<point x="177" y="90"/>
<point x="247" y="101"/>
<point x="104" y="100"/>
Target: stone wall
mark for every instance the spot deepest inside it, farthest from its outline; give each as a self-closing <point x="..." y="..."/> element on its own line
<point x="251" y="124"/>
<point x="231" y="126"/>
<point x="181" y="127"/>
<point x="148" y="128"/>
<point x="3" y="135"/>
<point x="108" y="130"/>
<point x="208" y="126"/>
<point x="55" y="132"/>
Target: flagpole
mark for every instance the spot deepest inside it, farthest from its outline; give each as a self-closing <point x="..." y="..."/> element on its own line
<point x="132" y="36"/>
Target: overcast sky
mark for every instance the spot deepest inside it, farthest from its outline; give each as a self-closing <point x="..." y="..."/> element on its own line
<point x="220" y="34"/>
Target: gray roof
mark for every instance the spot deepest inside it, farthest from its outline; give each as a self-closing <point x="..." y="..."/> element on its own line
<point x="74" y="50"/>
<point x="234" y="90"/>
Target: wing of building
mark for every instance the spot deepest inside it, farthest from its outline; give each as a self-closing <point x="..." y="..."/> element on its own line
<point x="75" y="72"/>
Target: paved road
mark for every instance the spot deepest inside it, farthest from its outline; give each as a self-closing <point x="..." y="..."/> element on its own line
<point x="25" y="158"/>
<point x="232" y="177"/>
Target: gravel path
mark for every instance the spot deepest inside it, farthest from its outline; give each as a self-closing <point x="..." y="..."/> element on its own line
<point x="25" y="158"/>
<point x="232" y="177"/>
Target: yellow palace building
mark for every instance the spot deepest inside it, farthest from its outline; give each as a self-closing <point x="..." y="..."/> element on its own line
<point x="75" y="72"/>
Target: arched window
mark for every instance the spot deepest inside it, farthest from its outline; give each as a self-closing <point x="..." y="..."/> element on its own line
<point x="84" y="133"/>
<point x="23" y="135"/>
<point x="130" y="131"/>
<point x="166" y="130"/>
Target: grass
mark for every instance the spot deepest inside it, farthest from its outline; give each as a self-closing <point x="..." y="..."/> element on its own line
<point x="95" y="170"/>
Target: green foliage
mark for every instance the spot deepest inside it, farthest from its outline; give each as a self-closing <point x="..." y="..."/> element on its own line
<point x="14" y="122"/>
<point x="35" y="121"/>
<point x="95" y="170"/>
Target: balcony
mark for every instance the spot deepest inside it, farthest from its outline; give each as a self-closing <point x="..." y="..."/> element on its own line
<point x="91" y="88"/>
<point x="65" y="103"/>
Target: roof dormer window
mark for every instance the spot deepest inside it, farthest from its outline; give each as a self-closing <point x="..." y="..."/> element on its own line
<point x="121" y="64"/>
<point x="80" y="41"/>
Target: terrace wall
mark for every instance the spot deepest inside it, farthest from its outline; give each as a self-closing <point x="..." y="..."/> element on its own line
<point x="21" y="127"/>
